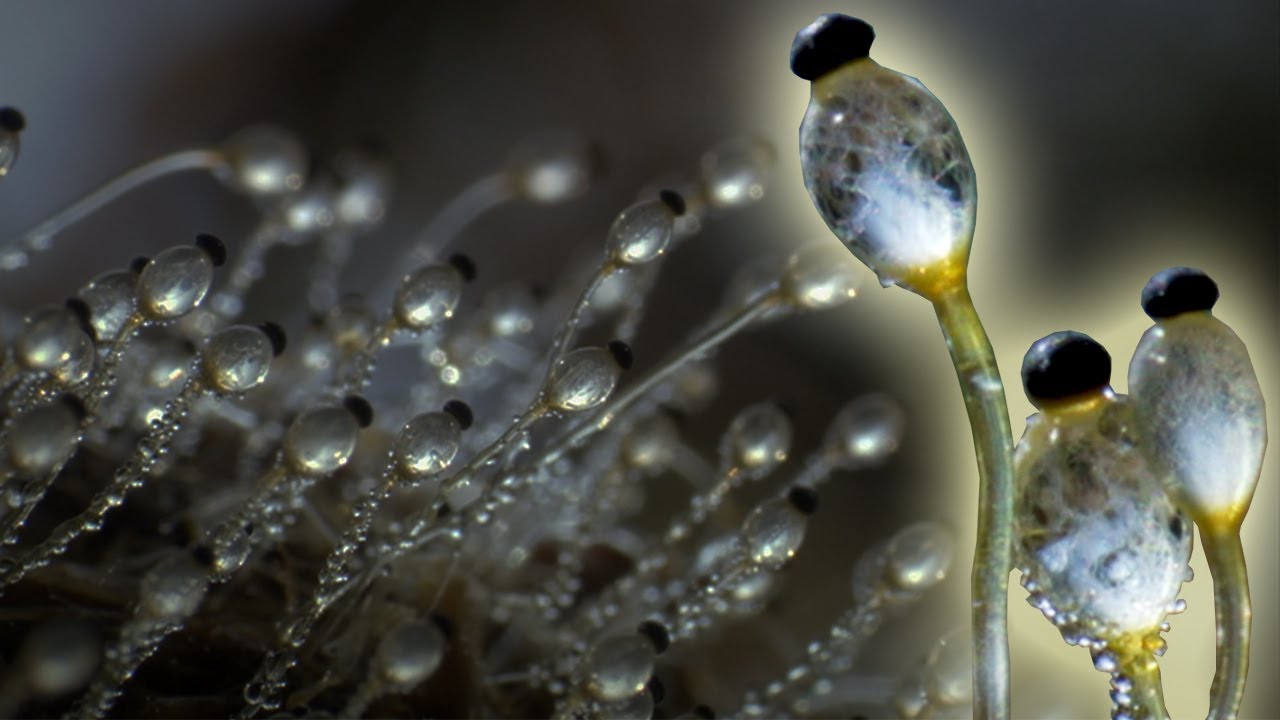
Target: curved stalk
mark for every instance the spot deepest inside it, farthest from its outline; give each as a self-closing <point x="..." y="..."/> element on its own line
<point x="1234" y="615"/>
<point x="984" y="399"/>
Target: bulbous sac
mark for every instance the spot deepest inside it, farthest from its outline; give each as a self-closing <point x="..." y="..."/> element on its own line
<point x="237" y="359"/>
<point x="582" y="380"/>
<point x="427" y="444"/>
<point x="428" y="296"/>
<point x="42" y="438"/>
<point x="886" y="167"/>
<point x="110" y="300"/>
<point x="1104" y="549"/>
<point x="264" y="161"/>
<point x="174" y="282"/>
<point x="321" y="441"/>
<point x="1201" y="413"/>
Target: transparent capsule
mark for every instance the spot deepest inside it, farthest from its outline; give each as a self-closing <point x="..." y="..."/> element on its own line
<point x="50" y="337"/>
<point x="59" y="656"/>
<point x="919" y="556"/>
<point x="428" y="295"/>
<point x="773" y="532"/>
<point x="238" y="358"/>
<point x="758" y="439"/>
<point x="173" y="589"/>
<point x="264" y="161"/>
<point x="43" y="437"/>
<point x="170" y="366"/>
<point x="818" y="276"/>
<point x="554" y="167"/>
<point x="1093" y="530"/>
<point x="109" y="297"/>
<point x="620" y="666"/>
<point x="321" y="440"/>
<point x="12" y="123"/>
<point x="583" y="379"/>
<point x="639" y="706"/>
<point x="733" y="172"/>
<point x="174" y="282"/>
<point x="427" y="444"/>
<point x="642" y="231"/>
<point x="883" y="160"/>
<point x="364" y="188"/>
<point x="866" y="431"/>
<point x="410" y="653"/>
<point x="1197" y="399"/>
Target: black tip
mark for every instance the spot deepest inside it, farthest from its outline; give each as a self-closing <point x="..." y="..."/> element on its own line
<point x="213" y="247"/>
<point x="444" y="511"/>
<point x="673" y="201"/>
<point x="360" y="409"/>
<point x="657" y="634"/>
<point x="464" y="266"/>
<point x="657" y="690"/>
<point x="75" y="404"/>
<point x="276" y="335"/>
<point x="1178" y="290"/>
<point x="829" y="42"/>
<point x="622" y="354"/>
<point x="1063" y="365"/>
<point x="12" y="120"/>
<point x="138" y="263"/>
<point x="203" y="554"/>
<point x="803" y="499"/>
<point x="443" y="623"/>
<point x="460" y="412"/>
<point x="84" y="315"/>
<point x="704" y="711"/>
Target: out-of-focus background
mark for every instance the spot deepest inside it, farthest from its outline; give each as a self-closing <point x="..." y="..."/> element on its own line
<point x="1111" y="139"/>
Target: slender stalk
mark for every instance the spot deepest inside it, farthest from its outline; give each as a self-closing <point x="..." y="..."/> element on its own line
<point x="39" y="237"/>
<point x="984" y="399"/>
<point x="1234" y="614"/>
<point x="1145" y="699"/>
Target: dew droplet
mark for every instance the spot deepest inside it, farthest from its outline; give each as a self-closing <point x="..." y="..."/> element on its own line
<point x="427" y="444"/>
<point x="264" y="161"/>
<point x="919" y="556"/>
<point x="321" y="440"/>
<point x="428" y="295"/>
<point x="619" y="666"/>
<point x="773" y="532"/>
<point x="583" y="379"/>
<point x="640" y="233"/>
<point x="410" y="653"/>
<point x="237" y="359"/>
<point x="758" y="438"/>
<point x="174" y="282"/>
<point x="867" y="431"/>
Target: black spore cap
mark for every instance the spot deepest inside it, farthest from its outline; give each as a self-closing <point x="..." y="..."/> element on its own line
<point x="75" y="405"/>
<point x="12" y="120"/>
<point x="622" y="354"/>
<point x="276" y="335"/>
<point x="213" y="247"/>
<point x="443" y="624"/>
<point x="464" y="266"/>
<point x="1178" y="290"/>
<point x="673" y="200"/>
<point x="360" y="409"/>
<point x="1063" y="365"/>
<point x="460" y="412"/>
<point x="657" y="634"/>
<point x="138" y="263"/>
<point x="803" y="499"/>
<point x="84" y="316"/>
<point x="829" y="42"/>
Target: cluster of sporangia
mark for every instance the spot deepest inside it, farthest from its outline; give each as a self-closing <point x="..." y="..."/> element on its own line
<point x="1096" y="502"/>
<point x="181" y="482"/>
